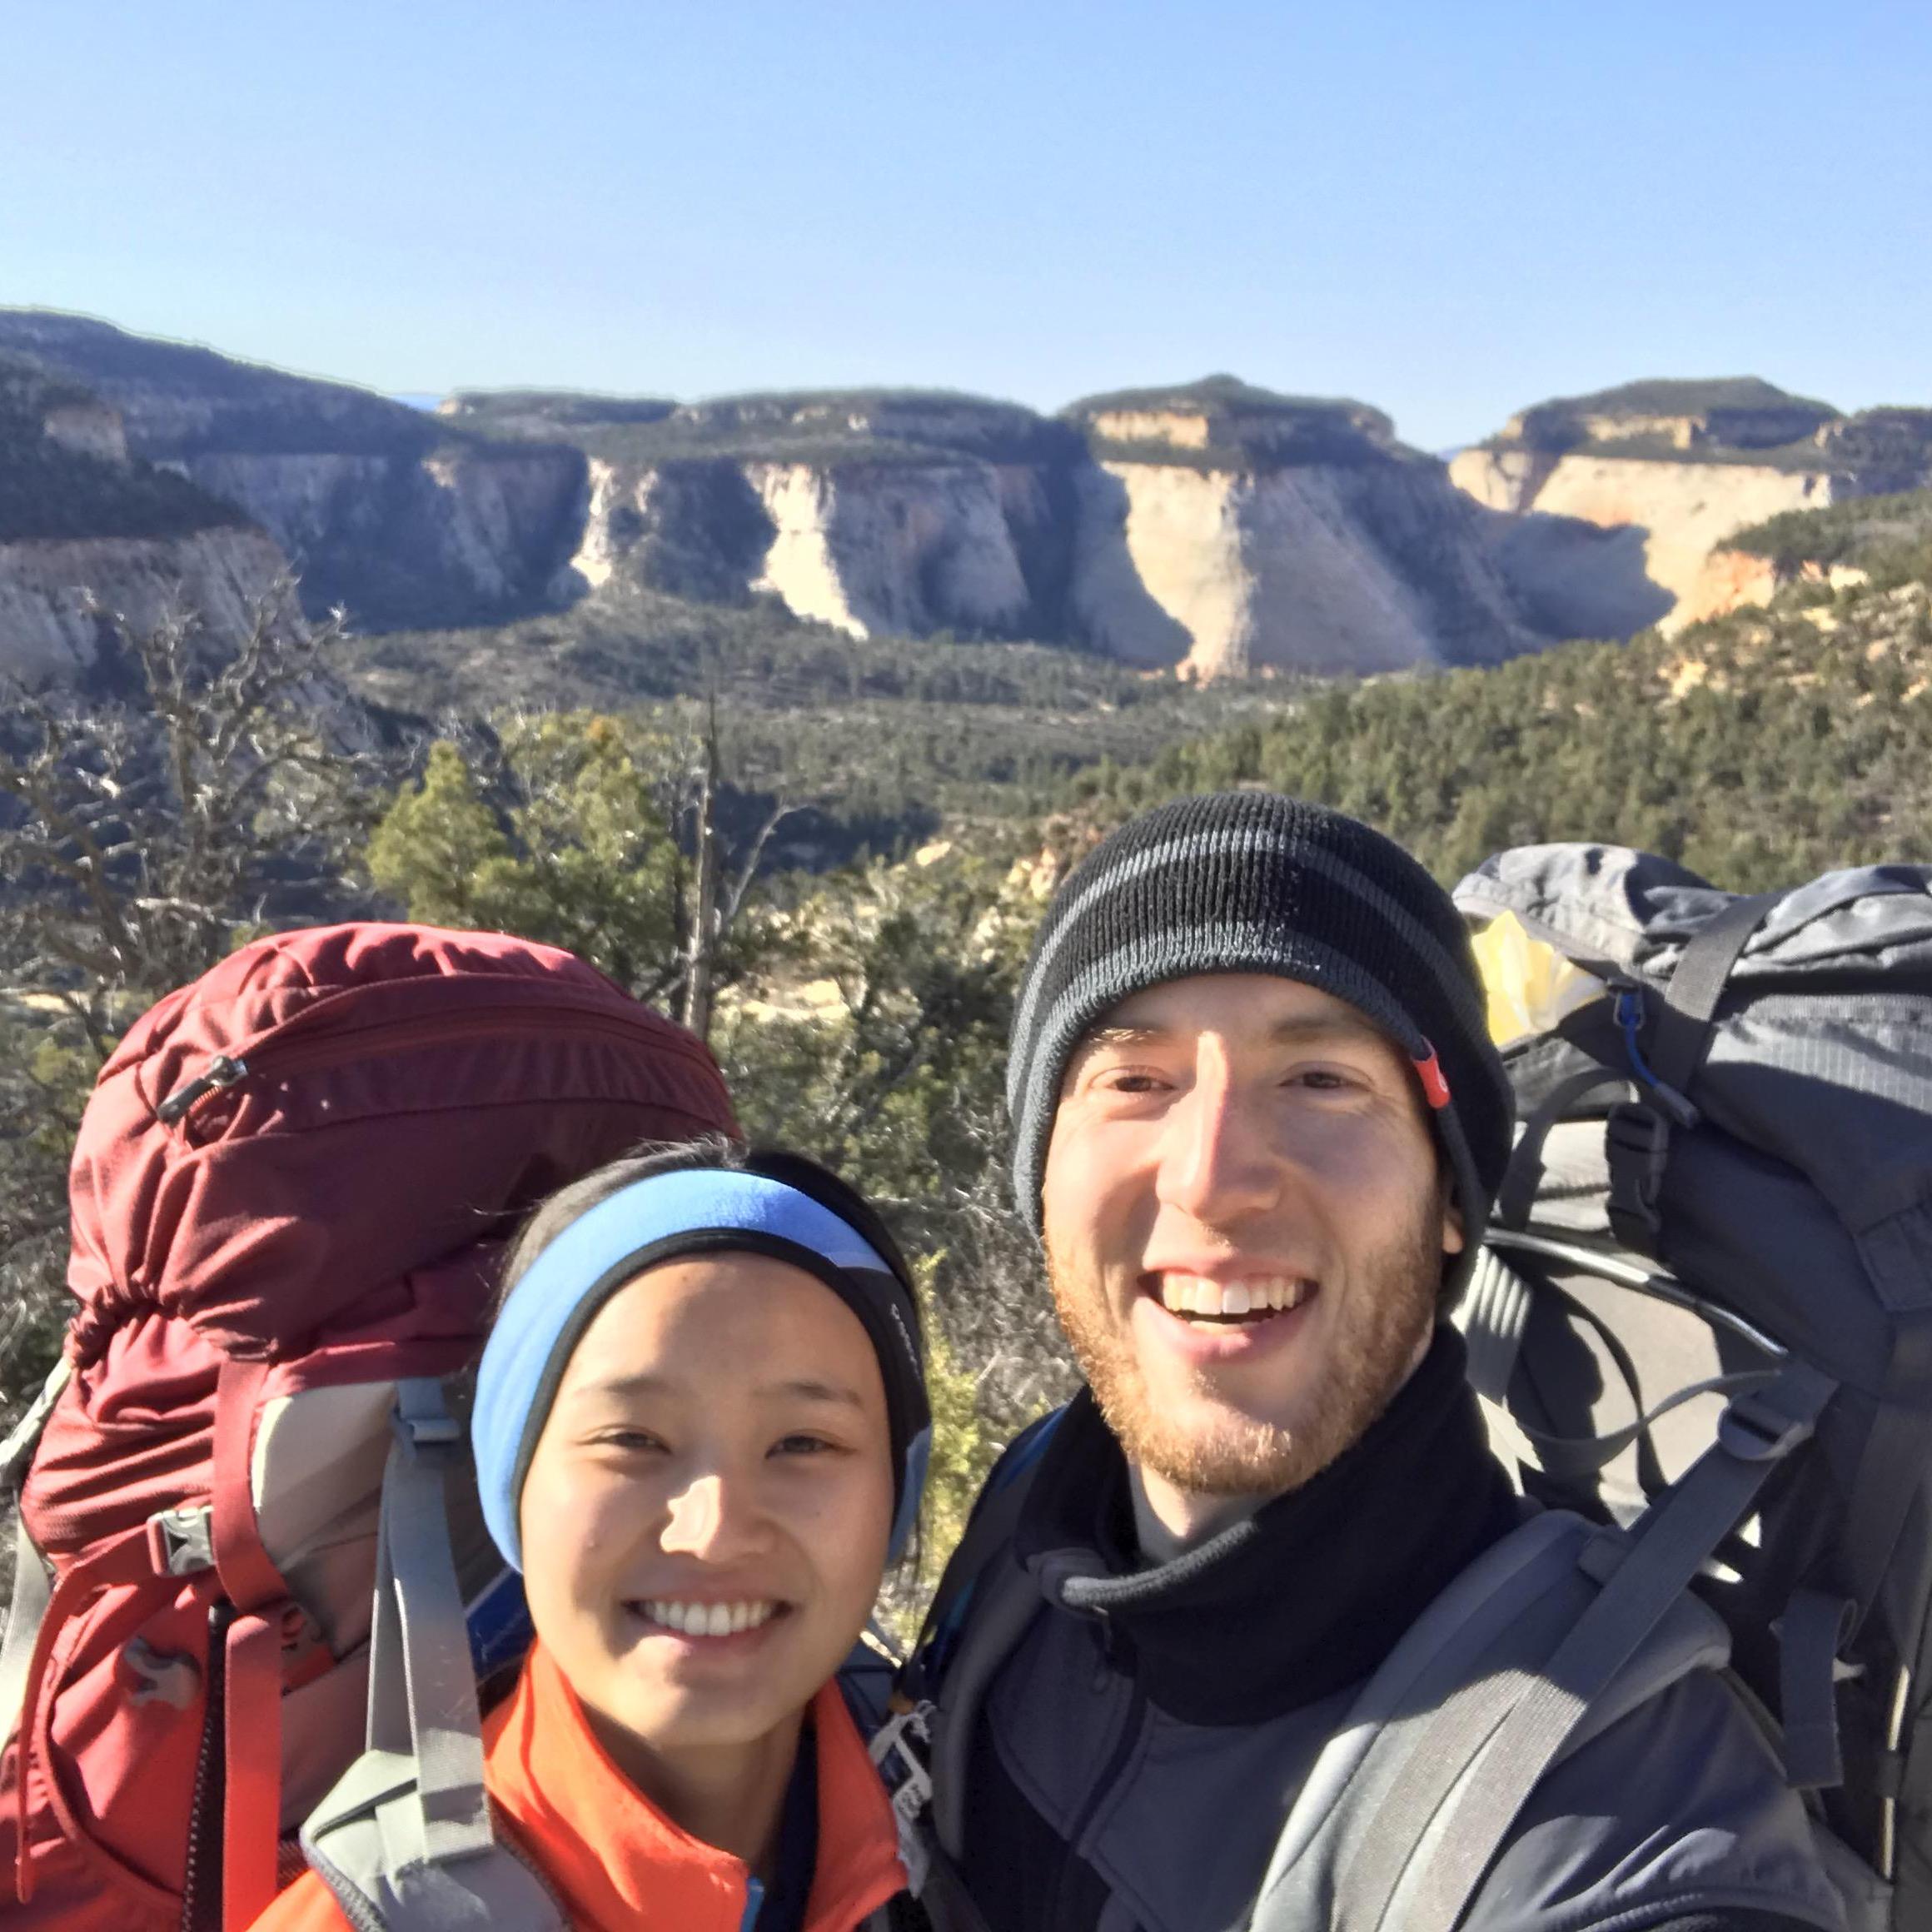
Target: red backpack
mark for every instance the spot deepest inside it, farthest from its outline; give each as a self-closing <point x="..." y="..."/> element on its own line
<point x="287" y="1193"/>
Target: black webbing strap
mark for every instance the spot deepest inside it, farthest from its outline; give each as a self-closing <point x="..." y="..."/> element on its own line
<point x="1882" y="1491"/>
<point x="1683" y="1031"/>
<point x="1524" y="1175"/>
<point x="946" y="1905"/>
<point x="1813" y="1626"/>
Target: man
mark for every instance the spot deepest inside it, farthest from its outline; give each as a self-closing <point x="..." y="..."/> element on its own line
<point x="1258" y="1125"/>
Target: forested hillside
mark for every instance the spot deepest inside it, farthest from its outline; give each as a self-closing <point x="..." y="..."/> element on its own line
<point x="1755" y="749"/>
<point x="882" y="824"/>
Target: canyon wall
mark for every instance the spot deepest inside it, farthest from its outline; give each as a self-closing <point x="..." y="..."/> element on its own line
<point x="1211" y="528"/>
<point x="1671" y="470"/>
<point x="1681" y="512"/>
<point x="401" y="518"/>
<point x="1310" y="568"/>
<point x="55" y="596"/>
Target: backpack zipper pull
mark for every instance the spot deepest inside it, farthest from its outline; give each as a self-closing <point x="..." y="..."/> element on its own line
<point x="223" y="1071"/>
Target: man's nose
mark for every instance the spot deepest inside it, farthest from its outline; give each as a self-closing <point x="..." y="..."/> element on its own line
<point x="714" y="1518"/>
<point x="1218" y="1160"/>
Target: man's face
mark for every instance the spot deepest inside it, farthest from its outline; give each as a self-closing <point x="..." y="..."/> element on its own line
<point x="1245" y="1224"/>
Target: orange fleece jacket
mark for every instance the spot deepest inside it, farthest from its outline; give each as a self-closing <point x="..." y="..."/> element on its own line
<point x="617" y="1862"/>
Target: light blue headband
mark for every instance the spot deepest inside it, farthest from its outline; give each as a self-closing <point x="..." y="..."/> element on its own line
<point x="687" y="1211"/>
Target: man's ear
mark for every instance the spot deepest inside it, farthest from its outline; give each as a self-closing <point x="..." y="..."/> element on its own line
<point x="1452" y="1232"/>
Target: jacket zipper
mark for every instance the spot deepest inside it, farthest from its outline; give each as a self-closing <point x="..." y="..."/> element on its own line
<point x="264" y="1056"/>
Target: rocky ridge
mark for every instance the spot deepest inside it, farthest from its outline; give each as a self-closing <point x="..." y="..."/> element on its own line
<point x="89" y="533"/>
<point x="398" y="516"/>
<point x="1675" y="469"/>
<point x="1213" y="528"/>
<point x="1209" y="528"/>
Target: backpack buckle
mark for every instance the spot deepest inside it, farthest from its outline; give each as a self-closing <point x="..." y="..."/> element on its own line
<point x="181" y="1542"/>
<point x="421" y="1423"/>
<point x="907" y="1736"/>
<point x="1636" y="1140"/>
<point x="1756" y="1431"/>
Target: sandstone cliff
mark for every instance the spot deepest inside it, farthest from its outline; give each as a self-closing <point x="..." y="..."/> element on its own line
<point x="400" y="517"/>
<point x="1215" y="527"/>
<point x="1212" y="527"/>
<point x="871" y="511"/>
<point x="1673" y="468"/>
<point x="55" y="596"/>
<point x="89" y="532"/>
<point x="1226" y="530"/>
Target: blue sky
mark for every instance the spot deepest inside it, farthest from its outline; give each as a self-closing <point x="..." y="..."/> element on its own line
<point x="1447" y="207"/>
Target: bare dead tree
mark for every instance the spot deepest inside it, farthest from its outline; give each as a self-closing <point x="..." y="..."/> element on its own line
<point x="702" y="939"/>
<point x="712" y="906"/>
<point x="141" y="836"/>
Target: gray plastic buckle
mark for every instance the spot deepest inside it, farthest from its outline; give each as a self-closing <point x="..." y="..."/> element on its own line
<point x="907" y="1736"/>
<point x="1756" y="1431"/>
<point x="433" y="1437"/>
<point x="181" y="1542"/>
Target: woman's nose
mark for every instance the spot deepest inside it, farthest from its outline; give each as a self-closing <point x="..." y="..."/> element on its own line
<point x="712" y="1517"/>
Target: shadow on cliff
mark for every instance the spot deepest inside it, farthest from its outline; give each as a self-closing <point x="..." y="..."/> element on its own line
<point x="1109" y="604"/>
<point x="1576" y="579"/>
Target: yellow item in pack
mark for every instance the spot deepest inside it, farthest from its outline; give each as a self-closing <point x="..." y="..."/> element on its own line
<point x="1530" y="985"/>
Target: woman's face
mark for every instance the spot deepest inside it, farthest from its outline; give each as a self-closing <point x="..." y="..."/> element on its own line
<point x="705" y="1518"/>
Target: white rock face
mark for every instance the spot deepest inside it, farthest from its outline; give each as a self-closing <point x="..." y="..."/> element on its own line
<point x="1683" y="510"/>
<point x="52" y="595"/>
<point x="1225" y="572"/>
<point x="483" y="525"/>
<point x="499" y="514"/>
<point x="609" y="490"/>
<point x="299" y="500"/>
<point x="890" y="547"/>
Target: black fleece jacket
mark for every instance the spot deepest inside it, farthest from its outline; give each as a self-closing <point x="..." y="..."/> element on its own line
<point x="1285" y="1611"/>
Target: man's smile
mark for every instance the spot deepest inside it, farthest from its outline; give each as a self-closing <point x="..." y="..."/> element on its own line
<point x="1247" y="1297"/>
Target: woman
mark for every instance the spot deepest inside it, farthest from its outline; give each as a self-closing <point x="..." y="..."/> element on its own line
<point x="700" y="1430"/>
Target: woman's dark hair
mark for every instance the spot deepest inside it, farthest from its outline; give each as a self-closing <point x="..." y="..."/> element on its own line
<point x="707" y="1151"/>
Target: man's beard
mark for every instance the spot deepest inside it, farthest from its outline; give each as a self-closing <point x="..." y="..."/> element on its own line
<point x="1390" y="1312"/>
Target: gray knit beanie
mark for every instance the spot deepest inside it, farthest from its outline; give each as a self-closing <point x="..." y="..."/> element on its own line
<point x="1255" y="882"/>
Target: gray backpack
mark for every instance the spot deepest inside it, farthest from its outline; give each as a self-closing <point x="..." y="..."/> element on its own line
<point x="1717" y="1224"/>
<point x="1702" y="1328"/>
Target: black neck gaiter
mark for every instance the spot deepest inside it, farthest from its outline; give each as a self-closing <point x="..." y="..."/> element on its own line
<point x="1308" y="1595"/>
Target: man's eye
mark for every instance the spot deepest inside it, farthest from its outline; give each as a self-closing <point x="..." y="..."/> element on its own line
<point x="1322" y="1079"/>
<point x="1127" y="1081"/>
<point x="802" y="1445"/>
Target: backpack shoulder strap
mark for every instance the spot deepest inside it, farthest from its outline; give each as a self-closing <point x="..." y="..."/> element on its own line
<point x="32" y="1587"/>
<point x="989" y="1531"/>
<point x="1549" y="1636"/>
<point x="978" y="1614"/>
<point x="404" y="1840"/>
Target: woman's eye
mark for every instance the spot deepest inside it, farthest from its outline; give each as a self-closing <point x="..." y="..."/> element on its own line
<point x="631" y="1442"/>
<point x="801" y="1445"/>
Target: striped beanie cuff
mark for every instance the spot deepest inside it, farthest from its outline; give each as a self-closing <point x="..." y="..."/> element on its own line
<point x="1255" y="882"/>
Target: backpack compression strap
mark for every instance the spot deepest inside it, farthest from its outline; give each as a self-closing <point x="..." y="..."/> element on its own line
<point x="404" y="1840"/>
<point x="1637" y="1136"/>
